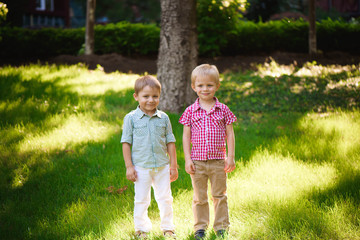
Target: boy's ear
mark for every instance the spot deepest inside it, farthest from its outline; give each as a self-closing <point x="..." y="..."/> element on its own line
<point x="135" y="96"/>
<point x="193" y="87"/>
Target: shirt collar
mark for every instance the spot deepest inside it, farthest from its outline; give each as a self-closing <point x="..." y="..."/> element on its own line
<point x="197" y="105"/>
<point x="140" y="114"/>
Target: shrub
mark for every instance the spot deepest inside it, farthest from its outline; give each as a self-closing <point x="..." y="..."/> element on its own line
<point x="338" y="36"/>
<point x="292" y="36"/>
<point x="124" y="38"/>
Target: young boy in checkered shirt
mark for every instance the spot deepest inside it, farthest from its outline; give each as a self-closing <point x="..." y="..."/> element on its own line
<point x="207" y="128"/>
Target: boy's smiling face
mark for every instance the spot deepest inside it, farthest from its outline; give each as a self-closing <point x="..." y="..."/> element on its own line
<point x="148" y="99"/>
<point x="205" y="87"/>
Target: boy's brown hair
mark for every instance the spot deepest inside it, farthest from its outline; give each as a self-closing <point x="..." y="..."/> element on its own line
<point x="205" y="70"/>
<point x="144" y="81"/>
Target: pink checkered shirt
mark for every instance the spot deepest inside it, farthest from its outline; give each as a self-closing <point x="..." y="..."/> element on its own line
<point x="208" y="130"/>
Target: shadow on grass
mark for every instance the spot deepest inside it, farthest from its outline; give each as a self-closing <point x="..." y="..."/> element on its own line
<point x="49" y="183"/>
<point x="31" y="101"/>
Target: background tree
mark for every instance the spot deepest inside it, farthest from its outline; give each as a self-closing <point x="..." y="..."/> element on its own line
<point x="177" y="53"/>
<point x="90" y="23"/>
<point x="312" y="28"/>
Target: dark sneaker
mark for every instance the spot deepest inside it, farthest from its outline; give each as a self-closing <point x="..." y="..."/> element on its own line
<point x="200" y="234"/>
<point x="221" y="233"/>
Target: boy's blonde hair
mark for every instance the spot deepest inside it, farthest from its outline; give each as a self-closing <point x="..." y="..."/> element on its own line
<point x="144" y="81"/>
<point x="205" y="70"/>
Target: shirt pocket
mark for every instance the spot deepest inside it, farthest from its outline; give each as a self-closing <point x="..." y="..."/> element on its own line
<point x="160" y="129"/>
<point x="196" y="124"/>
<point x="218" y="122"/>
<point x="140" y="130"/>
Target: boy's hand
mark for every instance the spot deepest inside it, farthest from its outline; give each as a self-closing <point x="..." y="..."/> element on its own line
<point x="229" y="164"/>
<point x="173" y="174"/>
<point x="131" y="174"/>
<point x="189" y="167"/>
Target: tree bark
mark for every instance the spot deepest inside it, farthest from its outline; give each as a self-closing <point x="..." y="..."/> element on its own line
<point x="90" y="23"/>
<point x="178" y="53"/>
<point x="312" y="28"/>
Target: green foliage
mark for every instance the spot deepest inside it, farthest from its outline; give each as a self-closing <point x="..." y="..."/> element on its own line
<point x="20" y="42"/>
<point x="218" y="35"/>
<point x="338" y="35"/>
<point x="123" y="38"/>
<point x="285" y="35"/>
<point x="126" y="38"/>
<point x="290" y="35"/>
<point x="215" y="19"/>
<point x="3" y="12"/>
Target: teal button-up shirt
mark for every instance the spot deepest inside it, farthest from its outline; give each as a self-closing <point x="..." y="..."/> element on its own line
<point x="148" y="136"/>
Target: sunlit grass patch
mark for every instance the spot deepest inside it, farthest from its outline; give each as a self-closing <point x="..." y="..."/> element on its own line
<point x="273" y="69"/>
<point x="325" y="137"/>
<point x="280" y="197"/>
<point x="97" y="83"/>
<point x="76" y="129"/>
<point x="272" y="177"/>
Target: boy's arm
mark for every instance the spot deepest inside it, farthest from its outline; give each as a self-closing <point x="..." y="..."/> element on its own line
<point x="171" y="149"/>
<point x="189" y="165"/>
<point x="130" y="169"/>
<point x="230" y="160"/>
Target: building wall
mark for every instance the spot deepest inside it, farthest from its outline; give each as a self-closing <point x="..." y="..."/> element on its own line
<point x="49" y="13"/>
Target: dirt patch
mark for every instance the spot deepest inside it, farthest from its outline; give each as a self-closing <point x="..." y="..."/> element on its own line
<point x="115" y="62"/>
<point x="110" y="62"/>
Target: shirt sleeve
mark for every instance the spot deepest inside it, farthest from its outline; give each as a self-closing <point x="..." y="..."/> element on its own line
<point x="229" y="116"/>
<point x="127" y="131"/>
<point x="185" y="117"/>
<point x="169" y="133"/>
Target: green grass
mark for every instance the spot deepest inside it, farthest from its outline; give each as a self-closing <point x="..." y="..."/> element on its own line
<point x="297" y="153"/>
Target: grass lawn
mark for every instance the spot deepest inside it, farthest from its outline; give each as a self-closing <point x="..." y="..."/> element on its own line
<point x="62" y="174"/>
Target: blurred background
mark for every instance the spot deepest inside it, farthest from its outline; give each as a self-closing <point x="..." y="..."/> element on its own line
<point x="72" y="13"/>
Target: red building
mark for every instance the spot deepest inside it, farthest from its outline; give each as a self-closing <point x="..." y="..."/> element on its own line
<point x="47" y="13"/>
<point x="349" y="7"/>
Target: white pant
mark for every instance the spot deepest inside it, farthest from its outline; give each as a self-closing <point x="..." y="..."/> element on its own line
<point x="159" y="179"/>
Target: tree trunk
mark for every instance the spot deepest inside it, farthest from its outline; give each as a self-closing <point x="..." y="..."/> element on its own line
<point x="312" y="28"/>
<point x="177" y="53"/>
<point x="90" y="23"/>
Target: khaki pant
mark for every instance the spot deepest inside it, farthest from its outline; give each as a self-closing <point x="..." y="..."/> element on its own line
<point x="212" y="170"/>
